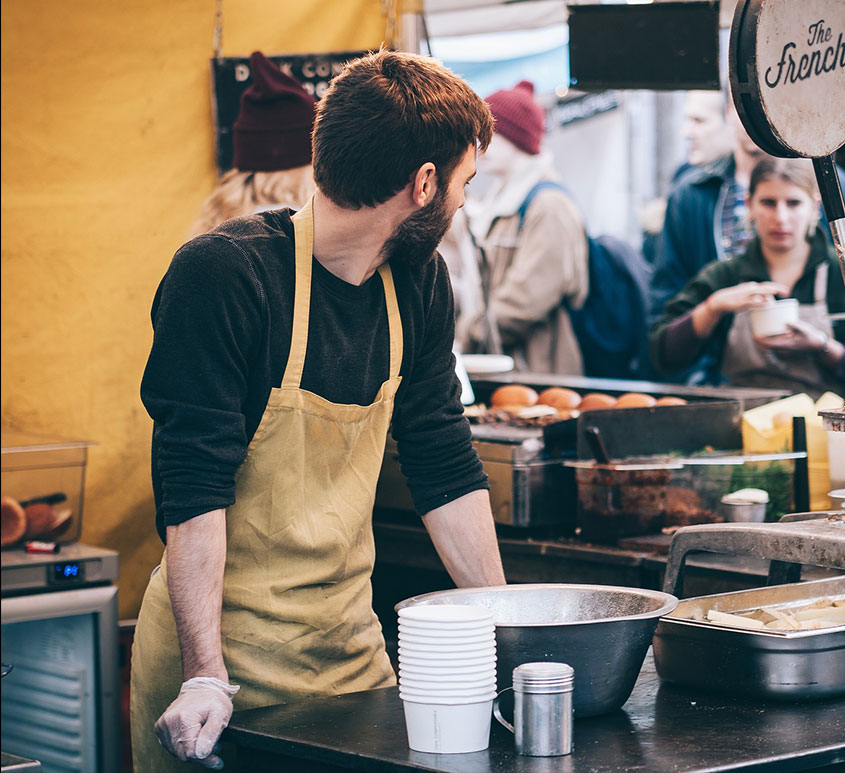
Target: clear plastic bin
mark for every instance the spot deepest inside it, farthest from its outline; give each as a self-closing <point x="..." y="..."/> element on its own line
<point x="46" y="477"/>
<point x="643" y="495"/>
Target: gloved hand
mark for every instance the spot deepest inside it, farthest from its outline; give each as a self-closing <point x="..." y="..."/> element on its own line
<point x="191" y="726"/>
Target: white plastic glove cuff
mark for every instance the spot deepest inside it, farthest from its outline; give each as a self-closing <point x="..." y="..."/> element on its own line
<point x="209" y="681"/>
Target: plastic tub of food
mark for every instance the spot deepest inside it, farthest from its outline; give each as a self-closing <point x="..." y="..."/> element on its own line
<point x="642" y="495"/>
<point x="42" y="484"/>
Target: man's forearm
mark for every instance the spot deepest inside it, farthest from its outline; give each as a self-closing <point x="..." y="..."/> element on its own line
<point x="196" y="557"/>
<point x="464" y="536"/>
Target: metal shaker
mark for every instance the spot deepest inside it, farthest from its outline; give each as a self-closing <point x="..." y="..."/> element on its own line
<point x="542" y="715"/>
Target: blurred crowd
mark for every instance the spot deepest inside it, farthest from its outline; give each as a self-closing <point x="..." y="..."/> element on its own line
<point x="736" y="232"/>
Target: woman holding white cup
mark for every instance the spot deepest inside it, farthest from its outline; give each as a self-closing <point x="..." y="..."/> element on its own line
<point x="765" y="342"/>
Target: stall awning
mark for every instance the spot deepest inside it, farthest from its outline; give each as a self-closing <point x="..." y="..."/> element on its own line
<point x="450" y="18"/>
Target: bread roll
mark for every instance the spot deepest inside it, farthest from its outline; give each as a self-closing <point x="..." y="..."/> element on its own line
<point x="671" y="401"/>
<point x="635" y="400"/>
<point x="560" y="398"/>
<point x="12" y="521"/>
<point x="513" y="396"/>
<point x="40" y="518"/>
<point x="596" y="401"/>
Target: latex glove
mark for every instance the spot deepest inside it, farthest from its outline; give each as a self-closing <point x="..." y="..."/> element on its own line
<point x="801" y="337"/>
<point x="191" y="726"/>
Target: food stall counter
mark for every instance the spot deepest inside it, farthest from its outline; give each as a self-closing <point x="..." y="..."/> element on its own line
<point x="660" y="728"/>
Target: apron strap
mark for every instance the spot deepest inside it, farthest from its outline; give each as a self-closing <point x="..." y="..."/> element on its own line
<point x="303" y="234"/>
<point x="394" y="319"/>
<point x="820" y="288"/>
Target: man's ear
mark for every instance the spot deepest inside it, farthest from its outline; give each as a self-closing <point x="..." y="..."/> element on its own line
<point x="424" y="184"/>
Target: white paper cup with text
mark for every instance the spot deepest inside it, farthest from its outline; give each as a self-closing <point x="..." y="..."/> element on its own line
<point x="448" y="728"/>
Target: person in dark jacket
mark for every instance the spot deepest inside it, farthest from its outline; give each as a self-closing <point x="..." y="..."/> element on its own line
<point x="789" y="256"/>
<point x="706" y="220"/>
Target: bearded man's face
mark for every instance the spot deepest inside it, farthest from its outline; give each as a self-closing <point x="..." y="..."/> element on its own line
<point x="414" y="241"/>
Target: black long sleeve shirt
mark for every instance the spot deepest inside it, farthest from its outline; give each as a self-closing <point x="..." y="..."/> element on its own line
<point x="222" y="324"/>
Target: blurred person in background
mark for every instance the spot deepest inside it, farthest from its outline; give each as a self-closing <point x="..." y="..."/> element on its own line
<point x="524" y="243"/>
<point x="706" y="129"/>
<point x="708" y="136"/>
<point x="272" y="150"/>
<point x="788" y="256"/>
<point x="706" y="220"/>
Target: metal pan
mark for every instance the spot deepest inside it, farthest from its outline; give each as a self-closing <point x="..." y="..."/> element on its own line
<point x="749" y="663"/>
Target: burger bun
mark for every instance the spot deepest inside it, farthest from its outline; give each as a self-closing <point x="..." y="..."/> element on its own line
<point x="512" y="396"/>
<point x="635" y="400"/>
<point x="596" y="401"/>
<point x="560" y="398"/>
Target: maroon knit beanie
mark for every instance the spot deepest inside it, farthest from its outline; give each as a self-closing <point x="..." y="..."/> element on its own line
<point x="518" y="117"/>
<point x="273" y="129"/>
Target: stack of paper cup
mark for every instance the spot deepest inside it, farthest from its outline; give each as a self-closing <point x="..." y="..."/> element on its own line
<point x="447" y="676"/>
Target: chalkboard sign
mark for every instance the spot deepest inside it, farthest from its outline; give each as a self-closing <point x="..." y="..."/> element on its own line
<point x="230" y="77"/>
<point x="660" y="46"/>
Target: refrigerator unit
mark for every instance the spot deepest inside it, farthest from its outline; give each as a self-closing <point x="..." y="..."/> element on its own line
<point x="60" y="701"/>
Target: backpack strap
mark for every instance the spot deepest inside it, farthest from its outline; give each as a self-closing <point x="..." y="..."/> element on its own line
<point x="523" y="208"/>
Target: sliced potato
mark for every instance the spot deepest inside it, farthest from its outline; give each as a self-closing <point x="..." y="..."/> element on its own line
<point x="735" y="621"/>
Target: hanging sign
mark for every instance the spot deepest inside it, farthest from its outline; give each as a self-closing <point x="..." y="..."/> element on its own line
<point x="787" y="63"/>
<point x="230" y="77"/>
<point x="787" y="68"/>
<point x="659" y="46"/>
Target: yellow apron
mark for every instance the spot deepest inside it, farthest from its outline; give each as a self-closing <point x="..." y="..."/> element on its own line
<point x="297" y="618"/>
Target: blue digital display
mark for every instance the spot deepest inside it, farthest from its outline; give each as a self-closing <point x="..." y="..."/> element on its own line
<point x="68" y="572"/>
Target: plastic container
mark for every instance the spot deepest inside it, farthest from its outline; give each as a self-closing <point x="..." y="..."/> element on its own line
<point x="47" y="477"/>
<point x="743" y="512"/>
<point x="772" y="319"/>
<point x="836" y="455"/>
<point x="643" y="495"/>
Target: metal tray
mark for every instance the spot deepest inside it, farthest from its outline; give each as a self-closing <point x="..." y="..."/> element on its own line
<point x="750" y="663"/>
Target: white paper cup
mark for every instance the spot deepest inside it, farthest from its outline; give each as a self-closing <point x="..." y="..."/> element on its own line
<point x="448" y="729"/>
<point x="458" y="700"/>
<point x="446" y="613"/>
<point x="477" y="689"/>
<point x="447" y="628"/>
<point x="436" y="645"/>
<point x="464" y="633"/>
<point x="425" y="684"/>
<point x="448" y="699"/>
<point x="448" y="641"/>
<point x="446" y="672"/>
<point x="772" y="318"/>
<point x="449" y="657"/>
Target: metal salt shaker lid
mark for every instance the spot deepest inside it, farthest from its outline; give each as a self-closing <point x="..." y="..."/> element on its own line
<point x="543" y="677"/>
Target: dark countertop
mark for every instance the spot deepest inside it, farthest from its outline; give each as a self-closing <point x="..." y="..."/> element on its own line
<point x="528" y="557"/>
<point x="660" y="728"/>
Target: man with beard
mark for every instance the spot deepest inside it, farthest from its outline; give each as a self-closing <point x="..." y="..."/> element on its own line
<point x="285" y="347"/>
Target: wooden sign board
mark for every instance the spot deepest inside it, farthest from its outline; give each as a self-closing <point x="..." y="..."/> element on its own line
<point x="787" y="63"/>
<point x="230" y="77"/>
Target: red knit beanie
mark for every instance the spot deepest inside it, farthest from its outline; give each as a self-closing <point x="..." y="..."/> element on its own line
<point x="273" y="129"/>
<point x="518" y="117"/>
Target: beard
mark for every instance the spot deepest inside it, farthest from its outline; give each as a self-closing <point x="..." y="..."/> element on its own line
<point x="414" y="241"/>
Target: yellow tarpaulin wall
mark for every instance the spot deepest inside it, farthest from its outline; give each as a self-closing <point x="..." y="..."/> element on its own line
<point x="107" y="151"/>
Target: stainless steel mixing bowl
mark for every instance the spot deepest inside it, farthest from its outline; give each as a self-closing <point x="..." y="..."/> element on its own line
<point x="602" y="631"/>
